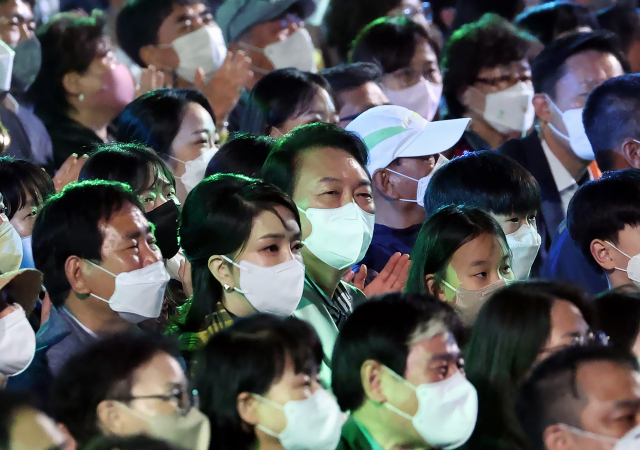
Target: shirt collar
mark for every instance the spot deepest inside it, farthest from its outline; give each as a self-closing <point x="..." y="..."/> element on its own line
<point x="80" y="324"/>
<point x="560" y="174"/>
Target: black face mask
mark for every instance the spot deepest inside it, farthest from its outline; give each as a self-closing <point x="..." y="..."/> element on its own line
<point x="165" y="219"/>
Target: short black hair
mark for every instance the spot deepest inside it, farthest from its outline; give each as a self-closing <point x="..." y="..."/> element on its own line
<point x="102" y="371"/>
<point x="548" y="20"/>
<point x="623" y="21"/>
<point x="390" y="42"/>
<point x="241" y="154"/>
<point x="12" y="402"/>
<point x="69" y="225"/>
<point x="139" y="21"/>
<point x="281" y="167"/>
<point x="381" y="330"/>
<point x="601" y="208"/>
<point x="133" y="164"/>
<point x="346" y="77"/>
<point x="612" y="114"/>
<point x="619" y="316"/>
<point x="19" y="180"/>
<point x="550" y="65"/>
<point x="489" y="42"/>
<point x="280" y="95"/>
<point x="552" y="395"/>
<point x="468" y="11"/>
<point x="69" y="42"/>
<point x="250" y="356"/>
<point x="154" y="118"/>
<point x="483" y="180"/>
<point x="139" y="442"/>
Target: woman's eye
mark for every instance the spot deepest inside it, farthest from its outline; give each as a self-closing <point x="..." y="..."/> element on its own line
<point x="272" y="248"/>
<point x="331" y="193"/>
<point x="481" y="275"/>
<point x="33" y="213"/>
<point x="506" y="269"/>
<point x="366" y="195"/>
<point x="443" y="371"/>
<point x="147" y="200"/>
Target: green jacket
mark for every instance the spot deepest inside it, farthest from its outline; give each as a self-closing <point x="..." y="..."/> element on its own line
<point x="313" y="310"/>
<point x="354" y="439"/>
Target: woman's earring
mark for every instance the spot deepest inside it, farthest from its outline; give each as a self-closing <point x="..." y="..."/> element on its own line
<point x="81" y="97"/>
<point x="227" y="287"/>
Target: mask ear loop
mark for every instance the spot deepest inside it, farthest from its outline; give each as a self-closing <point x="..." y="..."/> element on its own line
<point x="406" y="383"/>
<point x="230" y="261"/>
<point x="406" y="176"/>
<point x="273" y="404"/>
<point x="617" y="268"/>
<point x="104" y="270"/>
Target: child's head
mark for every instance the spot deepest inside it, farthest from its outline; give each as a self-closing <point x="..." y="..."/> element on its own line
<point x="604" y="221"/>
<point x="460" y="254"/>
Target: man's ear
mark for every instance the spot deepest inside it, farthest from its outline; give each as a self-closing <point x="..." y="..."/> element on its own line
<point x="557" y="438"/>
<point x="542" y="106"/>
<point x="246" y="405"/>
<point x="384" y="185"/>
<point x="219" y="268"/>
<point x="630" y="151"/>
<point x="601" y="252"/>
<point x="472" y="99"/>
<point x="71" y="83"/>
<point x="371" y="377"/>
<point x="110" y="418"/>
<point x="74" y="269"/>
<point x="434" y="287"/>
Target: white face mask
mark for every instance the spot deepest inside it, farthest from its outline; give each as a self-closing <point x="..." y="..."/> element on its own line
<point x="510" y="110"/>
<point x="423" y="98"/>
<point x="577" y="138"/>
<point x="340" y="237"/>
<point x="314" y="423"/>
<point x="630" y="441"/>
<point x="201" y="48"/>
<point x="295" y="51"/>
<point x="275" y="290"/>
<point x="470" y="301"/>
<point x="17" y="343"/>
<point x="27" y="254"/>
<point x="10" y="247"/>
<point x="195" y="169"/>
<point x="138" y="294"/>
<point x="422" y="182"/>
<point x="633" y="267"/>
<point x="447" y="411"/>
<point x="6" y="66"/>
<point x="524" y="245"/>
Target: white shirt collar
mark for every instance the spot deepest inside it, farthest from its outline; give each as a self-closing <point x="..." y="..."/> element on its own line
<point x="560" y="174"/>
<point x="83" y="326"/>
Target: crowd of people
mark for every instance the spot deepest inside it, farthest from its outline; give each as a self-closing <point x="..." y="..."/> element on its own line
<point x="319" y="225"/>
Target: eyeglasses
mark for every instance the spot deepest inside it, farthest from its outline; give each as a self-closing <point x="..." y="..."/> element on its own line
<point x="423" y="9"/>
<point x="504" y="79"/>
<point x="184" y="399"/>
<point x="590" y="338"/>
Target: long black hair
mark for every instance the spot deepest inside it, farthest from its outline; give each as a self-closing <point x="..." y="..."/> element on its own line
<point x="217" y="219"/>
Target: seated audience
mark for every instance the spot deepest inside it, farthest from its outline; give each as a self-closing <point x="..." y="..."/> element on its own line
<point x="399" y="372"/>
<point x="81" y="86"/>
<point x="503" y="189"/>
<point x="555" y="19"/>
<point x="345" y="19"/>
<point x="603" y="221"/>
<point x="270" y="397"/>
<point x="519" y="326"/>
<point x="580" y="398"/>
<point x="182" y="40"/>
<point x="408" y="57"/>
<point x="404" y="151"/>
<point x="488" y="79"/>
<point x="18" y="295"/>
<point x="285" y="99"/>
<point x="127" y="385"/>
<point x="23" y="426"/>
<point x="83" y="239"/>
<point x="618" y="312"/>
<point x="462" y="257"/>
<point x="624" y="21"/>
<point x="24" y="187"/>
<point x="322" y="168"/>
<point x="242" y="154"/>
<point x="356" y="89"/>
<point x="242" y="238"/>
<point x="179" y="125"/>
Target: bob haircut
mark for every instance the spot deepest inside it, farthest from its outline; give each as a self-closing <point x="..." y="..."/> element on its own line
<point x="217" y="219"/>
<point x="21" y="180"/>
<point x="441" y="236"/>
<point x="136" y="165"/>
<point x="390" y="42"/>
<point x="280" y="95"/>
<point x="242" y="154"/>
<point x="250" y="356"/>
<point x="154" y="118"/>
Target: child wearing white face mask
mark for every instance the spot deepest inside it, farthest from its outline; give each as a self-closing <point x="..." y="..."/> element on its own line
<point x="271" y="397"/>
<point x="503" y="189"/>
<point x="462" y="257"/>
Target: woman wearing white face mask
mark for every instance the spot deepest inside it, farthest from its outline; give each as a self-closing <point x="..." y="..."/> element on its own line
<point x="488" y="78"/>
<point x="461" y="256"/>
<point x="408" y="55"/>
<point x="242" y="237"/>
<point x="271" y="397"/>
<point x="180" y="126"/>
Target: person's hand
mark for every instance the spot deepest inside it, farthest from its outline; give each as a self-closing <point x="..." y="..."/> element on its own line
<point x="150" y="80"/>
<point x="392" y="278"/>
<point x="356" y="279"/>
<point x="223" y="90"/>
<point x="69" y="171"/>
<point x="184" y="272"/>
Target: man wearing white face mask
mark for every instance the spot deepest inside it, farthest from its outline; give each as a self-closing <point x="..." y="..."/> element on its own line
<point x="272" y="33"/>
<point x="398" y="370"/>
<point x="102" y="270"/>
<point x="583" y="398"/>
<point x="404" y="151"/>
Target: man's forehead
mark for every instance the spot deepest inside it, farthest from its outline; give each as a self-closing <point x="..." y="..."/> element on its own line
<point x="608" y="381"/>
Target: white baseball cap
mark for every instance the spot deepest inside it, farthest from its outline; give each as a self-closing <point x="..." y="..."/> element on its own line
<point x="391" y="132"/>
